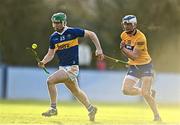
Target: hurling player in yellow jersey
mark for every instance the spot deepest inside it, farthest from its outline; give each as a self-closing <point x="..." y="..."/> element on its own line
<point x="64" y="43"/>
<point x="134" y="47"/>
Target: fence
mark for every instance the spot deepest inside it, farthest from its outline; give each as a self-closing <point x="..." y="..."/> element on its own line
<point x="102" y="86"/>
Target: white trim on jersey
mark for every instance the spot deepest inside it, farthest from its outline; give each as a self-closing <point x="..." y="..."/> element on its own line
<point x="65" y="28"/>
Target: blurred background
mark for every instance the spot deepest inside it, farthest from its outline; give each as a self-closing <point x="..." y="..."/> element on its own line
<point x="23" y="22"/>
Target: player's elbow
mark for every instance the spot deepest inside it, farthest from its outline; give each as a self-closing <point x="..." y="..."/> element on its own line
<point x="51" y="57"/>
<point x="135" y="56"/>
<point x="90" y="34"/>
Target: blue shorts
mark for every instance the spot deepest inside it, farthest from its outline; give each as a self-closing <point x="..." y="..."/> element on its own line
<point x="140" y="71"/>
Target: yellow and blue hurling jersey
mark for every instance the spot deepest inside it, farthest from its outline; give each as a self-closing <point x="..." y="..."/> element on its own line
<point x="138" y="41"/>
<point x="66" y="45"/>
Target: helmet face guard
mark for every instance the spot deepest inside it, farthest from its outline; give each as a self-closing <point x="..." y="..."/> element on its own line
<point x="59" y="18"/>
<point x="129" y="20"/>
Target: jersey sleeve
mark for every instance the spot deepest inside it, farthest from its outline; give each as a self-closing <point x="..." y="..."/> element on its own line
<point x="51" y="44"/>
<point x="140" y="43"/>
<point x="79" y="32"/>
<point x="121" y="35"/>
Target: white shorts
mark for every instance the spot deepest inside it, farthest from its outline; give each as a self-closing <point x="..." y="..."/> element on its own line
<point x="72" y="71"/>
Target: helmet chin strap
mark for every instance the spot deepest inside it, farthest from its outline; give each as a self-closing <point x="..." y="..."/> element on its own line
<point x="64" y="23"/>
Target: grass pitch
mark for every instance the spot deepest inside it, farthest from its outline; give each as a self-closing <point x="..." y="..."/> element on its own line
<point x="29" y="112"/>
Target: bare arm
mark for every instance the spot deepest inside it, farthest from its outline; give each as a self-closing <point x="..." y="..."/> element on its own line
<point x="131" y="54"/>
<point x="47" y="58"/>
<point x="96" y="42"/>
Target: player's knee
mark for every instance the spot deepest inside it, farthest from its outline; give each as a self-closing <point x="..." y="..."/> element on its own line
<point x="125" y="91"/>
<point x="50" y="81"/>
<point x="146" y="93"/>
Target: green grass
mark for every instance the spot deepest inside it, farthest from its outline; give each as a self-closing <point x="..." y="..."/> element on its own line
<point x="29" y="112"/>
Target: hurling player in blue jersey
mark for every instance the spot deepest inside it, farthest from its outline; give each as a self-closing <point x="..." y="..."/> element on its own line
<point x="64" y="43"/>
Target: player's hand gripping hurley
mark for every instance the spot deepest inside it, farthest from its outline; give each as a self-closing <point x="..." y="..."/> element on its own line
<point x="35" y="55"/>
<point x="119" y="61"/>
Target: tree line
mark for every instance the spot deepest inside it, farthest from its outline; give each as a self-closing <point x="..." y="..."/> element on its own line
<point x="24" y="22"/>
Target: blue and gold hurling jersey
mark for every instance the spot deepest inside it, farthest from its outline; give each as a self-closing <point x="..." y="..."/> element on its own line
<point x="66" y="45"/>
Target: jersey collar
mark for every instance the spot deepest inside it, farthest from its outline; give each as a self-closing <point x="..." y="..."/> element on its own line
<point x="134" y="32"/>
<point x="65" y="28"/>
